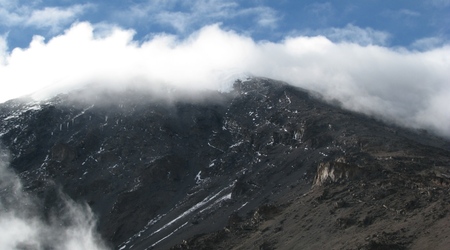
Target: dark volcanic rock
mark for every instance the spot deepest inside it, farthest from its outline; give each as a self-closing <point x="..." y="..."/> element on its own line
<point x="267" y="166"/>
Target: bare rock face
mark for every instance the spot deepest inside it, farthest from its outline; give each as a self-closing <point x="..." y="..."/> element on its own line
<point x="336" y="171"/>
<point x="62" y="152"/>
<point x="266" y="166"/>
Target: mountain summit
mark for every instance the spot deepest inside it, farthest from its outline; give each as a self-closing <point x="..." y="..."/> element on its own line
<point x="265" y="166"/>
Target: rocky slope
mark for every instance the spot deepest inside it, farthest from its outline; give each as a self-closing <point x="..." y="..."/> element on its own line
<point x="267" y="166"/>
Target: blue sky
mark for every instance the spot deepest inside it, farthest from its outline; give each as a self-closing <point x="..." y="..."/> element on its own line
<point x="388" y="59"/>
<point x="411" y="24"/>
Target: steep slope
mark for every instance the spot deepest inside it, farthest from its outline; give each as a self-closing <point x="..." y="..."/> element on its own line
<point x="268" y="166"/>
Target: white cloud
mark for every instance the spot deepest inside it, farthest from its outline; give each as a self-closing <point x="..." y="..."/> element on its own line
<point x="10" y="18"/>
<point x="264" y="16"/>
<point x="49" y="17"/>
<point x="3" y="49"/>
<point x="410" y="88"/>
<point x="428" y="43"/>
<point x="215" y="8"/>
<point x="55" y="17"/>
<point x="408" y="12"/>
<point x="21" y="227"/>
<point x="178" y="20"/>
<point x="352" y="34"/>
<point x="8" y="3"/>
<point x="185" y="15"/>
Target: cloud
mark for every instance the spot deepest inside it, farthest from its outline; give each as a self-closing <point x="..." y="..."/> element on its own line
<point x="428" y="43"/>
<point x="178" y="20"/>
<point x="408" y="12"/>
<point x="3" y="49"/>
<point x="184" y="16"/>
<point x="264" y="16"/>
<point x="9" y="18"/>
<point x="407" y="87"/>
<point x="440" y="3"/>
<point x="352" y="34"/>
<point x="21" y="227"/>
<point x="55" y="18"/>
<point x="320" y="13"/>
<point x="401" y="14"/>
<point x="8" y="3"/>
<point x="406" y="17"/>
<point x="321" y="8"/>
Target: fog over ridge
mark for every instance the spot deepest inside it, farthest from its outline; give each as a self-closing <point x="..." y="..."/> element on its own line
<point x="23" y="227"/>
<point x="408" y="87"/>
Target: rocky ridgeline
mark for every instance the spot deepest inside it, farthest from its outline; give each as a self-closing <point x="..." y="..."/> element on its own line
<point x="266" y="166"/>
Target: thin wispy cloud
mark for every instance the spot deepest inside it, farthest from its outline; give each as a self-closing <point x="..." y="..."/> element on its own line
<point x="428" y="43"/>
<point x="319" y="13"/>
<point x="54" y="18"/>
<point x="351" y="34"/>
<point x="185" y="16"/>
<point x="263" y="16"/>
<point x="440" y="3"/>
<point x="408" y="12"/>
<point x="407" y="16"/>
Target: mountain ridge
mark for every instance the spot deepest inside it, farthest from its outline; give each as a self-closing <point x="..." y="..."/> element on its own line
<point x="223" y="171"/>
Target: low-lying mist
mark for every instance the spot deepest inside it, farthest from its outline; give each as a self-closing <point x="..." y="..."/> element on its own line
<point x="408" y="87"/>
<point x="23" y="227"/>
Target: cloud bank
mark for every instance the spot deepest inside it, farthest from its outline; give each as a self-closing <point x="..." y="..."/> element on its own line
<point x="408" y="87"/>
<point x="22" y="228"/>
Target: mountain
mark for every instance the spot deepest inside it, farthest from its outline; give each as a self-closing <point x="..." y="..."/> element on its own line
<point x="265" y="166"/>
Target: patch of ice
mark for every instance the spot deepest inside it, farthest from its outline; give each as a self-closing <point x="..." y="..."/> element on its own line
<point x="82" y="112"/>
<point x="167" y="236"/>
<point x="10" y="117"/>
<point x="198" y="178"/>
<point x="236" y="144"/>
<point x="209" y="144"/>
<point x="223" y="198"/>
<point x="101" y="150"/>
<point x="193" y="209"/>
<point x="323" y="154"/>
<point x="287" y="97"/>
<point x="243" y="205"/>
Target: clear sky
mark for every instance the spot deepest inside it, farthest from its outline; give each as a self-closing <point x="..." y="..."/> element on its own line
<point x="390" y="59"/>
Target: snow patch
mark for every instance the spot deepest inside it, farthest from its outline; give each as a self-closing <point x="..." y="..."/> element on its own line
<point x="167" y="236"/>
<point x="236" y="144"/>
<point x="198" y="178"/>
<point x="194" y="208"/>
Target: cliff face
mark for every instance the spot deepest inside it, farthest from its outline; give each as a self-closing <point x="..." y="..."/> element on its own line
<point x="267" y="166"/>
